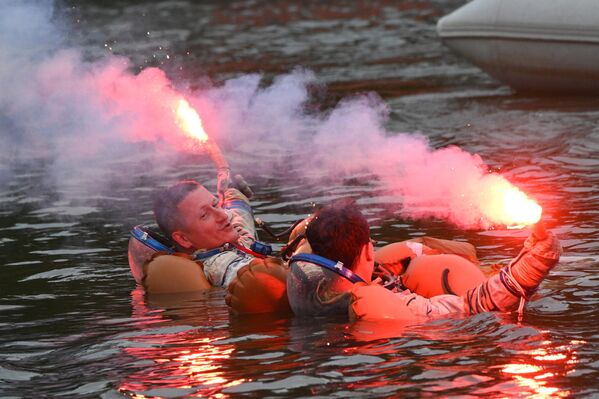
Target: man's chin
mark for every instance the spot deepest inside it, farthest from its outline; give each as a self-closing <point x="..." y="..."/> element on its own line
<point x="233" y="237"/>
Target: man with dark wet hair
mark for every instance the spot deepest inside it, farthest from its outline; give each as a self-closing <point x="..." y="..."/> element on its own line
<point x="339" y="233"/>
<point x="318" y="287"/>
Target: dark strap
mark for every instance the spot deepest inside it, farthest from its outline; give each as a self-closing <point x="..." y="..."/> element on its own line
<point x="227" y="247"/>
<point x="336" y="267"/>
<point x="206" y="254"/>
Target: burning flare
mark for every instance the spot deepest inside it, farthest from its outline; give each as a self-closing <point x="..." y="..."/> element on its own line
<point x="506" y="204"/>
<point x="189" y="121"/>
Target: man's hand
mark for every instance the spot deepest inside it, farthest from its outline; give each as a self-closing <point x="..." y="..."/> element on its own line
<point x="542" y="253"/>
<point x="538" y="230"/>
<point x="239" y="183"/>
<point x="225" y="181"/>
<point x="259" y="287"/>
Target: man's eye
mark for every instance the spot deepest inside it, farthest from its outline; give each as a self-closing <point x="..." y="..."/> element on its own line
<point x="204" y="215"/>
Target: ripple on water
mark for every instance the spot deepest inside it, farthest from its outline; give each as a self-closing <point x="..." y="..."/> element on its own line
<point x="292" y="382"/>
<point x="352" y="360"/>
<point x="68" y="274"/>
<point x="65" y="211"/>
<point x="8" y="374"/>
<point x="81" y="251"/>
<point x="159" y="349"/>
<point x="40" y="226"/>
<point x="24" y="263"/>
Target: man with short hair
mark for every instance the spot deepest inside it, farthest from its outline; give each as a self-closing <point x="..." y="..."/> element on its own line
<point x="193" y="219"/>
<point x="220" y="238"/>
<point x="316" y="286"/>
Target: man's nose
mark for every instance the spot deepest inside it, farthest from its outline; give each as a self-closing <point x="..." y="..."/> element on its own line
<point x="221" y="215"/>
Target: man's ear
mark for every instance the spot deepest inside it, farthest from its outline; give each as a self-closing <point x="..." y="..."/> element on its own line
<point x="369" y="251"/>
<point x="180" y="238"/>
<point x="366" y="254"/>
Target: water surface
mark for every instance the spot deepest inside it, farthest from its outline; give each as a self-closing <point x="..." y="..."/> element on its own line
<point x="73" y="324"/>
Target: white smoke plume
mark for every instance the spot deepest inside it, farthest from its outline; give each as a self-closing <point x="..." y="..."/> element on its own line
<point x="84" y="115"/>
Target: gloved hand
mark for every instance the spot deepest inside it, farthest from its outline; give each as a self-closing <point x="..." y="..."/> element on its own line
<point x="259" y="287"/>
<point x="225" y="181"/>
<point x="540" y="254"/>
<point x="239" y="183"/>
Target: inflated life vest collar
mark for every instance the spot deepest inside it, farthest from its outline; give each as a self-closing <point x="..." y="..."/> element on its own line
<point x="151" y="239"/>
<point x="336" y="267"/>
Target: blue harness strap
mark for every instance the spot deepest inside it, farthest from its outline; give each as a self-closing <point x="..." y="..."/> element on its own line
<point x="206" y="254"/>
<point x="262" y="251"/>
<point x="336" y="267"/>
<point x="144" y="235"/>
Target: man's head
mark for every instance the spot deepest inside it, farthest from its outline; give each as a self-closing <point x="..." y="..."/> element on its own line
<point x="190" y="215"/>
<point x="340" y="232"/>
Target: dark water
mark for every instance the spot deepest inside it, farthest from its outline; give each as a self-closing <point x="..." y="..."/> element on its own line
<point x="72" y="323"/>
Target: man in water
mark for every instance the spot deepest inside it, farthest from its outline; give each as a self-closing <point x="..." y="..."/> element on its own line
<point x="193" y="219"/>
<point x="221" y="238"/>
<point x="340" y="233"/>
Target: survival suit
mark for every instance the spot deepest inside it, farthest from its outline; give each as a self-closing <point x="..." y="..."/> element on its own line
<point x="316" y="288"/>
<point x="501" y="292"/>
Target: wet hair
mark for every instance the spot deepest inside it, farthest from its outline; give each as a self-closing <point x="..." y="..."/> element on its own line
<point x="338" y="232"/>
<point x="167" y="214"/>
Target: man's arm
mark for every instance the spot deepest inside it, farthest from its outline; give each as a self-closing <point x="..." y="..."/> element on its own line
<point x="241" y="214"/>
<point x="520" y="279"/>
<point x="502" y="292"/>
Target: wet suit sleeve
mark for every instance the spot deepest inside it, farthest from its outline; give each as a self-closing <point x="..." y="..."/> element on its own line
<point x="502" y="292"/>
<point x="242" y="216"/>
<point x="222" y="268"/>
<point x="520" y="279"/>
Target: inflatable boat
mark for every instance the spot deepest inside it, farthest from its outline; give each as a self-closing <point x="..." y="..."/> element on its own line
<point x="531" y="45"/>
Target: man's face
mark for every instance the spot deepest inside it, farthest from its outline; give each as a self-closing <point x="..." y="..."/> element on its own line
<point x="205" y="225"/>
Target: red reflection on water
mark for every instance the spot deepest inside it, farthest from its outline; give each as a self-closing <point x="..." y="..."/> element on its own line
<point x="179" y="364"/>
<point x="175" y="359"/>
<point x="546" y="364"/>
